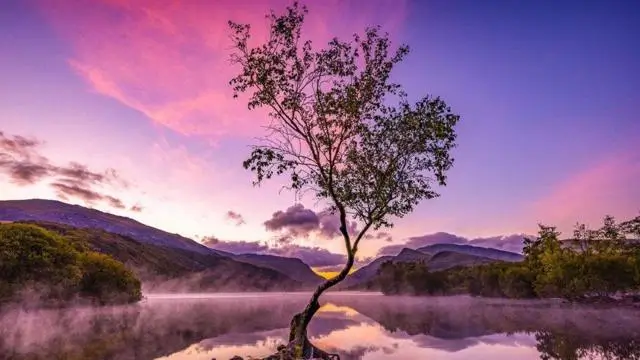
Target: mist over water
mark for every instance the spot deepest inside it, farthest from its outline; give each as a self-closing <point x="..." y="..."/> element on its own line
<point x="355" y="325"/>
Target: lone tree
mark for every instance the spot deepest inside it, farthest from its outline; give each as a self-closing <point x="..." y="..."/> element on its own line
<point x="341" y="129"/>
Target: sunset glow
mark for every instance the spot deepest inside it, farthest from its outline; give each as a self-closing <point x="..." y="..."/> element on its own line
<point x="129" y="102"/>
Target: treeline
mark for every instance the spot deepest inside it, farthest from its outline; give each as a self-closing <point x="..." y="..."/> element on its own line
<point x="594" y="264"/>
<point x="49" y="269"/>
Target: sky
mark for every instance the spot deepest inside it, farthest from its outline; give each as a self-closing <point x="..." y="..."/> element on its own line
<point x="124" y="106"/>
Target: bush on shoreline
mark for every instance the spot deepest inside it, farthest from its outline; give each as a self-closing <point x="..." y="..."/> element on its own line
<point x="49" y="269"/>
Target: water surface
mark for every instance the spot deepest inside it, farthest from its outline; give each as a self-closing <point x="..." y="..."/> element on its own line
<point x="355" y="325"/>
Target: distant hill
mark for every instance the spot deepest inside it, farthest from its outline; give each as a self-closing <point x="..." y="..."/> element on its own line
<point x="436" y="256"/>
<point x="490" y="253"/>
<point x="292" y="267"/>
<point x="365" y="273"/>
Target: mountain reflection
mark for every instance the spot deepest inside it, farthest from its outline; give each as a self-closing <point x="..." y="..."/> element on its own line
<point x="357" y="327"/>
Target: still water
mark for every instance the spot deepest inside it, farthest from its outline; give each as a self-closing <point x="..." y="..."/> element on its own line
<point x="355" y="325"/>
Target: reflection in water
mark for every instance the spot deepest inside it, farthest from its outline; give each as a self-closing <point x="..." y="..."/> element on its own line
<point x="356" y="326"/>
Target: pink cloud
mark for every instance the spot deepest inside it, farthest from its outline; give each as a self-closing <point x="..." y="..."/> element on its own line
<point x="169" y="59"/>
<point x="608" y="187"/>
<point x="178" y="162"/>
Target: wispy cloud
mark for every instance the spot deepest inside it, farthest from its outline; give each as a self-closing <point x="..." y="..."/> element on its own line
<point x="169" y="60"/>
<point x="22" y="162"/>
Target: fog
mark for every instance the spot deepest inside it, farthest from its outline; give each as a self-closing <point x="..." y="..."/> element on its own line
<point x="357" y="325"/>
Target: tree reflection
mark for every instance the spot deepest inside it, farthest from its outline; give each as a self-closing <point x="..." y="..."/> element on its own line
<point x="555" y="346"/>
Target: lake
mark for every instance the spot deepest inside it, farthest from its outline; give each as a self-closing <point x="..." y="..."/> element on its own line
<point x="356" y="325"/>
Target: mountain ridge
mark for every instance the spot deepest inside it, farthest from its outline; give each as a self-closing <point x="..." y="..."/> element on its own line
<point x="83" y="217"/>
<point x="293" y="268"/>
<point x="184" y="253"/>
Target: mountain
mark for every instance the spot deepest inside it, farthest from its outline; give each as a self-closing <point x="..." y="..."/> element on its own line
<point x="81" y="217"/>
<point x="448" y="259"/>
<point x="365" y="273"/>
<point x="490" y="253"/>
<point x="436" y="256"/>
<point x="292" y="267"/>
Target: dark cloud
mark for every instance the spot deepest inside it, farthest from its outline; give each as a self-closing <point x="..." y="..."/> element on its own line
<point x="312" y="256"/>
<point x="25" y="173"/>
<point x="235" y="217"/>
<point x="136" y="208"/>
<point x="22" y="163"/>
<point x="81" y="173"/>
<point x="511" y="243"/>
<point x="298" y="221"/>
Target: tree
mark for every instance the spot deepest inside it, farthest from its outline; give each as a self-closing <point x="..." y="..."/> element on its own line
<point x="342" y="130"/>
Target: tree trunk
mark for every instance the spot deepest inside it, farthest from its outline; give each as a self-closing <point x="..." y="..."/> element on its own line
<point x="299" y="343"/>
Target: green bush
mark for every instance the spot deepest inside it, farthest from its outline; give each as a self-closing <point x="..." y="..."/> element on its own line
<point x="107" y="280"/>
<point x="37" y="260"/>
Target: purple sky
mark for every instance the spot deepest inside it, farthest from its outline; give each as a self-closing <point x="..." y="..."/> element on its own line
<point x="549" y="95"/>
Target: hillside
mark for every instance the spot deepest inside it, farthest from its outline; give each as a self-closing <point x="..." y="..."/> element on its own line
<point x="167" y="269"/>
<point x="412" y="255"/>
<point x="447" y="259"/>
<point x="364" y="274"/>
<point x="489" y="253"/>
<point x="81" y="217"/>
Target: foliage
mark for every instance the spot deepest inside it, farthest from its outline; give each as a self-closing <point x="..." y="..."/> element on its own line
<point x="558" y="346"/>
<point x="595" y="264"/>
<point x="35" y="259"/>
<point x="334" y="129"/>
